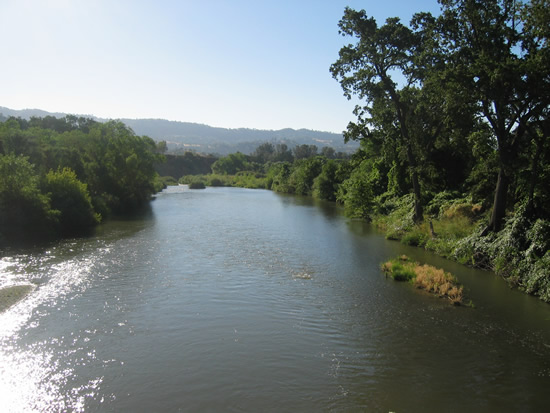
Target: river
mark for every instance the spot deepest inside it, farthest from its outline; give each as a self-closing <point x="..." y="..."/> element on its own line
<point x="236" y="300"/>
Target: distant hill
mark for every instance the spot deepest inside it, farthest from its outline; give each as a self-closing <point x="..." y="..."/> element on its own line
<point x="207" y="139"/>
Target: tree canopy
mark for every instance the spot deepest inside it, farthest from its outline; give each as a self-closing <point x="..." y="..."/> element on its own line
<point x="457" y="100"/>
<point x="61" y="176"/>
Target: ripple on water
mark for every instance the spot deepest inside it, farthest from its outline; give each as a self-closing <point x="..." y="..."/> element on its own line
<point x="34" y="376"/>
<point x="267" y="304"/>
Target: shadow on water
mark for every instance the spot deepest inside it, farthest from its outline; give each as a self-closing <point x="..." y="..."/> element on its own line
<point x="127" y="225"/>
<point x="117" y="226"/>
<point x="330" y="210"/>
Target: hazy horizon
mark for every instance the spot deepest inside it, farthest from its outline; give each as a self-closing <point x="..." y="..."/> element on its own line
<point x="238" y="64"/>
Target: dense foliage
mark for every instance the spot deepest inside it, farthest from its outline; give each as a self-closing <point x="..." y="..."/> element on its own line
<point x="188" y="163"/>
<point x="59" y="177"/>
<point x="454" y="152"/>
<point x="453" y="125"/>
<point x="454" y="133"/>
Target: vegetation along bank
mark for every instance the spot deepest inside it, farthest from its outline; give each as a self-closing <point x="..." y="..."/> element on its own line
<point x="61" y="177"/>
<point x="454" y="132"/>
<point x="454" y="152"/>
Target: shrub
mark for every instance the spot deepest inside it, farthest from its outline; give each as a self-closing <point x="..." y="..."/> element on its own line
<point x="452" y="205"/>
<point x="197" y="185"/>
<point x="249" y="179"/>
<point x="71" y="198"/>
<point x="417" y="236"/>
<point x="326" y="183"/>
<point x="194" y="181"/>
<point x="399" y="217"/>
<point x="520" y="252"/>
<point x="216" y="182"/>
<point x="25" y="212"/>
<point x="167" y="180"/>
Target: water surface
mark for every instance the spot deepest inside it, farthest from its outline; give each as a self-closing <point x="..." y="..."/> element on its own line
<point x="230" y="299"/>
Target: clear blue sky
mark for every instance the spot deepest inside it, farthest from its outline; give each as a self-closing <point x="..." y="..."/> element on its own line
<point x="234" y="63"/>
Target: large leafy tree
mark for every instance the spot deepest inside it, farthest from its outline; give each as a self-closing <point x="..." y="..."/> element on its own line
<point x="231" y="164"/>
<point x="483" y="46"/>
<point x="100" y="168"/>
<point x="119" y="167"/>
<point x="536" y="46"/>
<point x="380" y="70"/>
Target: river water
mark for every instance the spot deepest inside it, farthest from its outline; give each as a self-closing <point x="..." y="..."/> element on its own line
<point x="236" y="300"/>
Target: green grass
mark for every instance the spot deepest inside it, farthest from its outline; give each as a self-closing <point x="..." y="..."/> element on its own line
<point x="454" y="222"/>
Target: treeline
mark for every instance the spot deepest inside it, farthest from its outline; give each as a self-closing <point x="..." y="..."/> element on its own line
<point x="454" y="131"/>
<point x="273" y="167"/>
<point x="61" y="177"/>
<point x="456" y="107"/>
<point x="188" y="163"/>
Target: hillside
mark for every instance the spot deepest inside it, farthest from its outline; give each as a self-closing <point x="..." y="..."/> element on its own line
<point x="203" y="138"/>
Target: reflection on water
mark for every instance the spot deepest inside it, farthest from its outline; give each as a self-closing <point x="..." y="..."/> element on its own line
<point x="243" y="300"/>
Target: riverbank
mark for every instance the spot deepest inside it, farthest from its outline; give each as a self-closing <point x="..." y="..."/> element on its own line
<point x="519" y="252"/>
<point x="10" y="296"/>
<point x="453" y="227"/>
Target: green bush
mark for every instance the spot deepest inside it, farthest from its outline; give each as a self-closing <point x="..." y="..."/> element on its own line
<point x="197" y="185"/>
<point x="231" y="164"/>
<point x="399" y="218"/>
<point x="167" y="181"/>
<point x="416" y="237"/>
<point x="303" y="173"/>
<point x="25" y="212"/>
<point x="278" y="177"/>
<point x="71" y="198"/>
<point x="325" y="185"/>
<point x="249" y="179"/>
<point x="440" y="201"/>
<point x="215" y="182"/>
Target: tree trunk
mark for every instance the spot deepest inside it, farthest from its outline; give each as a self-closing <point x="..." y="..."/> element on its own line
<point x="499" y="202"/>
<point x="534" y="176"/>
<point x="406" y="140"/>
<point x="418" y="210"/>
<point x="506" y="157"/>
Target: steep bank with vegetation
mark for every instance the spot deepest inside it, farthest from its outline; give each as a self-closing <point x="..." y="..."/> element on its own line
<point x="452" y="226"/>
<point x="61" y="177"/>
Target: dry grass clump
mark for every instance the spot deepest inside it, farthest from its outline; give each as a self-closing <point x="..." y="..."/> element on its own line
<point x="468" y="210"/>
<point x="387" y="267"/>
<point x="439" y="282"/>
<point x="425" y="277"/>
